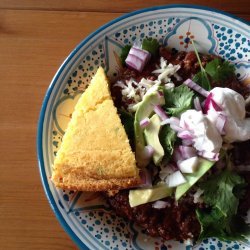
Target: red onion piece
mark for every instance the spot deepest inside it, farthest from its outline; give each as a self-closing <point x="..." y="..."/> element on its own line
<point x="176" y="128"/>
<point x="210" y="103"/>
<point x="196" y="87"/>
<point x="160" y="112"/>
<point x="160" y="204"/>
<point x="220" y="123"/>
<point x="146" y="179"/>
<point x="185" y="134"/>
<point x="166" y="121"/>
<point x="197" y="104"/>
<point x="144" y="122"/>
<point x="209" y="155"/>
<point x="149" y="151"/>
<point x="175" y="179"/>
<point x="177" y="156"/>
<point x="187" y="142"/>
<point x="187" y="152"/>
<point x="137" y="58"/>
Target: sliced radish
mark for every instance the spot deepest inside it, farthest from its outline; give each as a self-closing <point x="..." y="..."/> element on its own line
<point x="210" y="103"/>
<point x="189" y="165"/>
<point x="175" y="179"/>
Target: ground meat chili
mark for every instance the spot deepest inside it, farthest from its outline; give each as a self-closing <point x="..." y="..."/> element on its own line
<point x="176" y="221"/>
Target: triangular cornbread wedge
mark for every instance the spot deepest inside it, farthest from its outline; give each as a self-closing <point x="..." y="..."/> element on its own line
<point x="95" y="154"/>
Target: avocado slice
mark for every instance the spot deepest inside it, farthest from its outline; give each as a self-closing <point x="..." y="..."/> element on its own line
<point x="151" y="133"/>
<point x="142" y="196"/>
<point x="145" y="109"/>
<point x="203" y="167"/>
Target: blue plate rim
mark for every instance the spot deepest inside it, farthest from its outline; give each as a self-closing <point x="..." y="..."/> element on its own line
<point x="43" y="176"/>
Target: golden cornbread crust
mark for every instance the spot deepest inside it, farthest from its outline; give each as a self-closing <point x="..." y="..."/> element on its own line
<point x="95" y="154"/>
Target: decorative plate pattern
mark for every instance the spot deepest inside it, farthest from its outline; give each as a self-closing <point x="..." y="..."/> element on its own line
<point x="86" y="216"/>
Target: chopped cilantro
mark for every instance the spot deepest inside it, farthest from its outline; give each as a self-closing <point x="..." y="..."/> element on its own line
<point x="124" y="53"/>
<point x="219" y="70"/>
<point x="178" y="100"/>
<point x="201" y="78"/>
<point x="220" y="219"/>
<point x="151" y="45"/>
<point x="167" y="139"/>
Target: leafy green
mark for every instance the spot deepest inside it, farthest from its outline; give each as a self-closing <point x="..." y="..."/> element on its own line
<point x="219" y="70"/>
<point x="178" y="100"/>
<point x="151" y="45"/>
<point x="201" y="78"/>
<point x="124" y="53"/>
<point x="167" y="139"/>
<point x="128" y="123"/>
<point x="220" y="219"/>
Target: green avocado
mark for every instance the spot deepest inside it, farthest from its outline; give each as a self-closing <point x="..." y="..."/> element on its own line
<point x="203" y="167"/>
<point x="142" y="196"/>
<point x="151" y="133"/>
<point x="145" y="109"/>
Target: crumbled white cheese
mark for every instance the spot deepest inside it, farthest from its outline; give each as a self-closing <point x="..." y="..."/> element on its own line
<point x="166" y="71"/>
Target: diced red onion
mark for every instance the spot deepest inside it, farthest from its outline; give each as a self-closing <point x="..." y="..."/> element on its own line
<point x="176" y="128"/>
<point x="209" y="155"/>
<point x="196" y="87"/>
<point x="187" y="152"/>
<point x="210" y="103"/>
<point x="137" y="58"/>
<point x="146" y="179"/>
<point x="177" y="156"/>
<point x="197" y="104"/>
<point x="166" y="121"/>
<point x="149" y="151"/>
<point x="185" y="134"/>
<point x="187" y="142"/>
<point x="144" y="122"/>
<point x="175" y="179"/>
<point x="175" y="121"/>
<point x="220" y="123"/>
<point x="160" y="204"/>
<point x="160" y="112"/>
<point x="189" y="165"/>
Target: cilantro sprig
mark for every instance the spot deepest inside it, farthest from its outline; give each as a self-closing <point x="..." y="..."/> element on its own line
<point x="215" y="71"/>
<point x="220" y="219"/>
<point x="151" y="45"/>
<point x="178" y="100"/>
<point x="124" y="53"/>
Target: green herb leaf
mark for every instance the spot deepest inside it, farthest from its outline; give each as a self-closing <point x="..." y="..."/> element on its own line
<point x="167" y="139"/>
<point x="218" y="192"/>
<point x="202" y="79"/>
<point x="220" y="219"/>
<point x="124" y="53"/>
<point x="219" y="70"/>
<point x="128" y="123"/>
<point x="178" y="100"/>
<point x="151" y="45"/>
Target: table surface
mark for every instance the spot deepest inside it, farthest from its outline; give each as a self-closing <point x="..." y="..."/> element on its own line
<point x="35" y="37"/>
